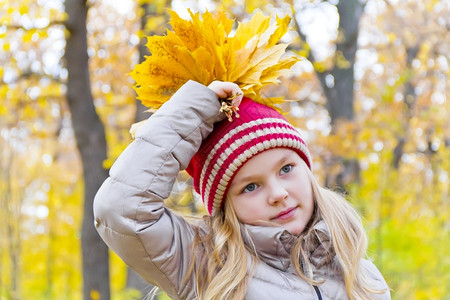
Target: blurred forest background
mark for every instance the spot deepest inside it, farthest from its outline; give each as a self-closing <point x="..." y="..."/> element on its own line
<point x="370" y="94"/>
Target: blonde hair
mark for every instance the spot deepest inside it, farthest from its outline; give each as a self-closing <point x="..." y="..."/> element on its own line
<point x="222" y="271"/>
<point x="348" y="237"/>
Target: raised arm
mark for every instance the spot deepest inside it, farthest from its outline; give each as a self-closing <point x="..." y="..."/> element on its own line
<point x="129" y="211"/>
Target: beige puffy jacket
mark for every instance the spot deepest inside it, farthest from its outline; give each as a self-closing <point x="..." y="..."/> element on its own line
<point x="131" y="218"/>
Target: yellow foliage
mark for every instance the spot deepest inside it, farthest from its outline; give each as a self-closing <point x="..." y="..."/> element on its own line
<point x="319" y="67"/>
<point x="29" y="112"/>
<point x="95" y="295"/>
<point x="27" y="37"/>
<point x="391" y="37"/>
<point x="23" y="9"/>
<point x="6" y="46"/>
<point x="43" y="34"/>
<point x="341" y="61"/>
<point x="202" y="49"/>
<point x="429" y="5"/>
<point x="3" y="110"/>
<point x="107" y="163"/>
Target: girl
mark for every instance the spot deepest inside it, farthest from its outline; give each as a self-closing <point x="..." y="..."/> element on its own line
<point x="272" y="231"/>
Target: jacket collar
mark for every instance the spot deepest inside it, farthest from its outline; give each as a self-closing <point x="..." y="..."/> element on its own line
<point x="273" y="245"/>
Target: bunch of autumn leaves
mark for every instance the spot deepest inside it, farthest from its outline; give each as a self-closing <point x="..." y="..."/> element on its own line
<point x="203" y="50"/>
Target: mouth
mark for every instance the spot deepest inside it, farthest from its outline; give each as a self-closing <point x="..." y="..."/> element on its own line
<point x="286" y="214"/>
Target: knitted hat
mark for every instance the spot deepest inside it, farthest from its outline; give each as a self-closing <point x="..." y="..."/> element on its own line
<point x="231" y="144"/>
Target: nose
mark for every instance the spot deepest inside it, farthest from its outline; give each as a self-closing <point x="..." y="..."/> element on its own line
<point x="277" y="193"/>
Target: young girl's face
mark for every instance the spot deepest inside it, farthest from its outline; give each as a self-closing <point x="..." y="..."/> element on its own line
<point x="273" y="189"/>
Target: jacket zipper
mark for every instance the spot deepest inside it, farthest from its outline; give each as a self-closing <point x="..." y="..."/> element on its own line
<point x="319" y="295"/>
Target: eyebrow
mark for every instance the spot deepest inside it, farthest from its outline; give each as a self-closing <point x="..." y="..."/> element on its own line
<point x="252" y="178"/>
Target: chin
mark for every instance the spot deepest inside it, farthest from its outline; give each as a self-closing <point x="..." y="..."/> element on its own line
<point x="295" y="231"/>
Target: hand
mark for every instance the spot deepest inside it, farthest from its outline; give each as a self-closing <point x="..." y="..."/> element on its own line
<point x="227" y="89"/>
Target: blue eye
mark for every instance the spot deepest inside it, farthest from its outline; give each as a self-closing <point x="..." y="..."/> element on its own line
<point x="250" y="188"/>
<point x="286" y="169"/>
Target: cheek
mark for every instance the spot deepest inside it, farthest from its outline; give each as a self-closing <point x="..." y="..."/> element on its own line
<point x="308" y="201"/>
<point x="247" y="210"/>
<point x="309" y="204"/>
<point x="304" y="189"/>
<point x="309" y="198"/>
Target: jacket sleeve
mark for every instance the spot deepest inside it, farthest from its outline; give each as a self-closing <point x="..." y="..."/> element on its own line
<point x="129" y="211"/>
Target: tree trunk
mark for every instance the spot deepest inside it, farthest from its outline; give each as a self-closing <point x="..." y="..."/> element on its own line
<point x="410" y="99"/>
<point x="8" y="214"/>
<point x="11" y="205"/>
<point x="91" y="143"/>
<point x="143" y="51"/>
<point x="340" y="96"/>
<point x="337" y="84"/>
<point x="134" y="281"/>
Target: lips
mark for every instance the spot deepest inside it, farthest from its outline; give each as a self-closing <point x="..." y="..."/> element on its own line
<point x="286" y="214"/>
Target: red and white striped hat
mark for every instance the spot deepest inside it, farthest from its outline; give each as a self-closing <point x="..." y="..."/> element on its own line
<point x="231" y="144"/>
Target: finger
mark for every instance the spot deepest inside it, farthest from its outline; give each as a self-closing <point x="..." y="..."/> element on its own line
<point x="229" y="89"/>
<point x="218" y="88"/>
<point x="237" y="92"/>
<point x="226" y="90"/>
<point x="233" y="90"/>
<point x="237" y="100"/>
